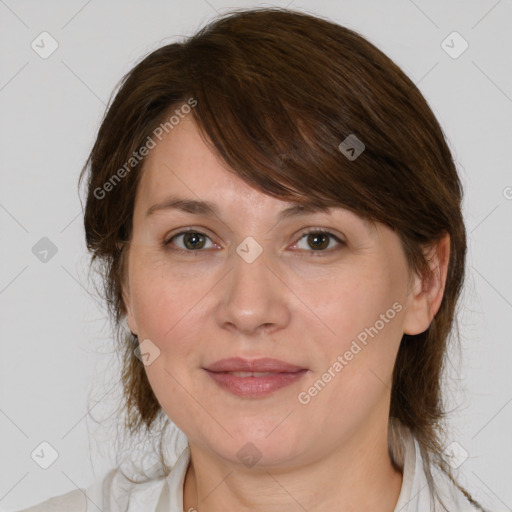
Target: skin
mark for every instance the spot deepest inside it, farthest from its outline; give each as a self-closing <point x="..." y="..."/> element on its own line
<point x="292" y="303"/>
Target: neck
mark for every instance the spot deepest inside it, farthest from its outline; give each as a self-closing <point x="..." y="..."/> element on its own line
<point x="359" y="476"/>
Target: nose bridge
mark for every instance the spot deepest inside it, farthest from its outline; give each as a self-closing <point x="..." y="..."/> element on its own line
<point x="253" y="296"/>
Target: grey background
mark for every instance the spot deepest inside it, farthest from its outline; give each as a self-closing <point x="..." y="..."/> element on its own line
<point x="55" y="336"/>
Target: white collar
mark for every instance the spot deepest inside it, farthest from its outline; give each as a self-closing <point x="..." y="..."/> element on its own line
<point x="165" y="493"/>
<point x="415" y="493"/>
<point x="175" y="481"/>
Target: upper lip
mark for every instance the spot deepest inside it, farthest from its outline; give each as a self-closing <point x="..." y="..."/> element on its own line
<point x="265" y="364"/>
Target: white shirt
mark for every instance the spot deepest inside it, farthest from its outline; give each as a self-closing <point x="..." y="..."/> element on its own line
<point x="114" y="493"/>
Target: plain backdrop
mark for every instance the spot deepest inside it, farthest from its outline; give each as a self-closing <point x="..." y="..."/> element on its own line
<point x="55" y="335"/>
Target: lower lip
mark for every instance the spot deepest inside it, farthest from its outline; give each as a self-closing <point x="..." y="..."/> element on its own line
<point x="255" y="387"/>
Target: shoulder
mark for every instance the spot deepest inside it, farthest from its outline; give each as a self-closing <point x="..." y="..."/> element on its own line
<point x="424" y="487"/>
<point x="74" y="501"/>
<point x="77" y="499"/>
<point x="111" y="493"/>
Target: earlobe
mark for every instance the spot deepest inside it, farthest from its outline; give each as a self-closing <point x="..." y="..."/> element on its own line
<point x="129" y="322"/>
<point x="427" y="292"/>
<point x="128" y="319"/>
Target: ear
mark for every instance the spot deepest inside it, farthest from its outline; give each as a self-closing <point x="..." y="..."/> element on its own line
<point x="426" y="293"/>
<point x="130" y="319"/>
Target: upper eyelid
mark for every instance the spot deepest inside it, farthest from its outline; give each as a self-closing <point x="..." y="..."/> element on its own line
<point x="301" y="234"/>
<point x="308" y="231"/>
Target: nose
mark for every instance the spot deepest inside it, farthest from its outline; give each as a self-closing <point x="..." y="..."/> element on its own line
<point x="253" y="298"/>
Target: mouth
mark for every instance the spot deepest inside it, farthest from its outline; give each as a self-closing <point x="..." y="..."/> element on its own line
<point x="260" y="365"/>
<point x="250" y="374"/>
<point x="254" y="378"/>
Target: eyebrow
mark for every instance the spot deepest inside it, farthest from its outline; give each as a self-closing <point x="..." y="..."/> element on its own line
<point x="198" y="207"/>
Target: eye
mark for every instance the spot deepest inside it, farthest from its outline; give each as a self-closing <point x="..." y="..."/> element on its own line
<point x="318" y="240"/>
<point x="192" y="241"/>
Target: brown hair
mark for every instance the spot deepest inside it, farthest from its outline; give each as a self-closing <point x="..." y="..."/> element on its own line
<point x="276" y="92"/>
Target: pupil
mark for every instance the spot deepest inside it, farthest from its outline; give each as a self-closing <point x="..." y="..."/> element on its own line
<point x="193" y="236"/>
<point x="315" y="237"/>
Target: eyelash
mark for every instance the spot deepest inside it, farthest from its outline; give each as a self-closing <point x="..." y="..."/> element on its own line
<point x="313" y="231"/>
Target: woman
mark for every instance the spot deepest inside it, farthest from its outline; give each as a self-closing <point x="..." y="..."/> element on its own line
<point x="278" y="216"/>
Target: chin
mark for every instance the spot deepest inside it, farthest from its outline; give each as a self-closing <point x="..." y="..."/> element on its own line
<point x="258" y="444"/>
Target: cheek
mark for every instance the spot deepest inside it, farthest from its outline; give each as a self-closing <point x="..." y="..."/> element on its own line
<point x="349" y="303"/>
<point x="166" y="313"/>
<point x="364" y="323"/>
<point x="163" y="300"/>
<point x="170" y="313"/>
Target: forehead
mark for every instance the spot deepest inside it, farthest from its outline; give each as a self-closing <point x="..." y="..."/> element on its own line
<point x="183" y="173"/>
<point x="182" y="159"/>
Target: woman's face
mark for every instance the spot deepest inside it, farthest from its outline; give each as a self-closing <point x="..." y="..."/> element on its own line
<point x="247" y="282"/>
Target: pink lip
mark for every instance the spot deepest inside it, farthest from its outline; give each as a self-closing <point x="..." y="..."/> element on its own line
<point x="264" y="364"/>
<point x="283" y="374"/>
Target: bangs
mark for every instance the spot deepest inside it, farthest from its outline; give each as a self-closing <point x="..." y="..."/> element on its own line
<point x="263" y="115"/>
